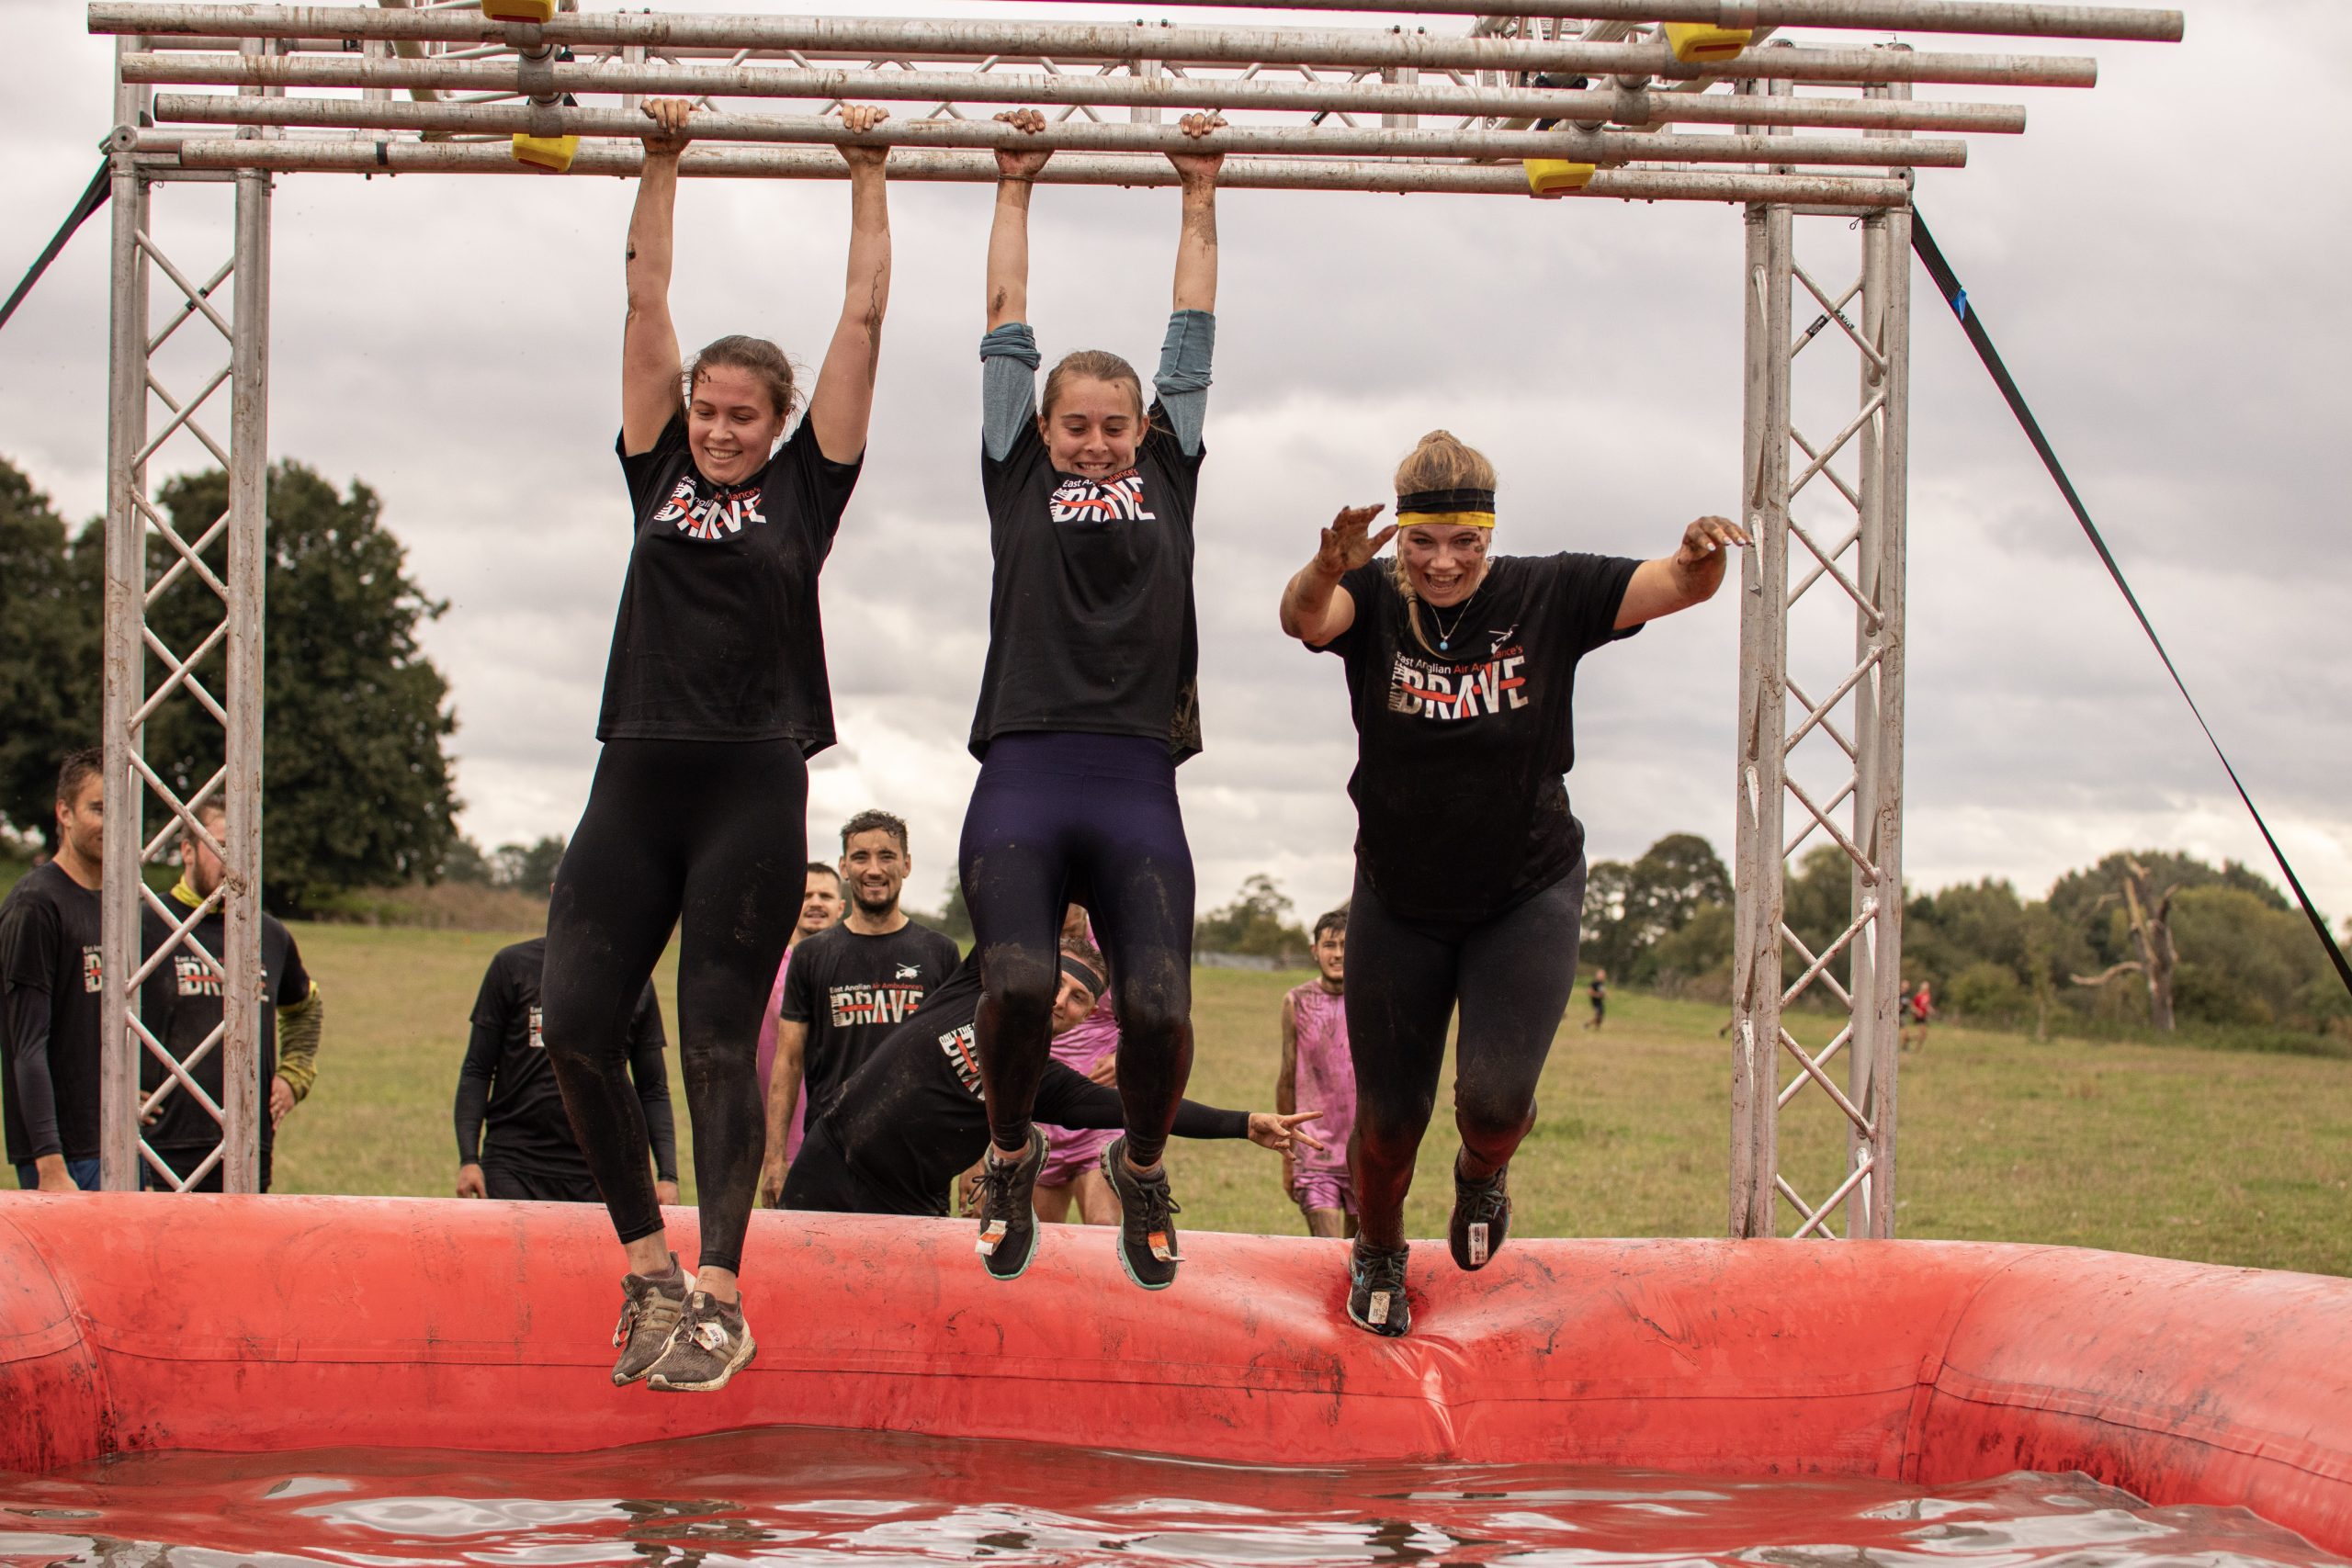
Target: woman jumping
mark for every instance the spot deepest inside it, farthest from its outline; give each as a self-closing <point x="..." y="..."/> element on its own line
<point x="715" y="695"/>
<point x="1087" y="705"/>
<point x="1461" y="670"/>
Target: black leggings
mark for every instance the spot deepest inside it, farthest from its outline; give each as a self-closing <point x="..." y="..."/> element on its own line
<point x="708" y="836"/>
<point x="1090" y="819"/>
<point x="1512" y="977"/>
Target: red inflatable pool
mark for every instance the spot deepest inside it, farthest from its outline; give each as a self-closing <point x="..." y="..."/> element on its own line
<point x="264" y="1324"/>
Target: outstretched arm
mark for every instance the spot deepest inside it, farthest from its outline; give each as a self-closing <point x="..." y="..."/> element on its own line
<point x="843" y="403"/>
<point x="1315" y="608"/>
<point x="650" y="367"/>
<point x="1016" y="171"/>
<point x="1689" y="576"/>
<point x="1196" y="243"/>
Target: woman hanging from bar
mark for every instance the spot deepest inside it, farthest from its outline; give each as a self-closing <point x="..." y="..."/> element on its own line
<point x="1088" y="703"/>
<point x="715" y="695"/>
<point x="1469" y="886"/>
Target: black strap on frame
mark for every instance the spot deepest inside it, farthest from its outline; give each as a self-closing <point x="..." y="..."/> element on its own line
<point x="92" y="196"/>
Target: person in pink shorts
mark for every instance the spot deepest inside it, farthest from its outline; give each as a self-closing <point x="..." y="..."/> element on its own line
<point x="1319" y="1074"/>
<point x="1072" y="1174"/>
<point x="821" y="906"/>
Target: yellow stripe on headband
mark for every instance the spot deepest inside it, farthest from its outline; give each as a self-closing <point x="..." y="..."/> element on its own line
<point x="1445" y="519"/>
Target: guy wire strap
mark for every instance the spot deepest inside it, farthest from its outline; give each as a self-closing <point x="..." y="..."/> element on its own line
<point x="1586" y="98"/>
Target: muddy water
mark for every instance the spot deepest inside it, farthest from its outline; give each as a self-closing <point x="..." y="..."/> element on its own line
<point x="797" y="1497"/>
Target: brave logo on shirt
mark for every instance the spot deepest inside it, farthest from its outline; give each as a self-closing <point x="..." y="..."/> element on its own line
<point x="963" y="1055"/>
<point x="94" y="973"/>
<point x="1444" y="691"/>
<point x="195" y="977"/>
<point x="886" y="1003"/>
<point x="1115" y="500"/>
<point x="536" y="1044"/>
<point x="700" y="517"/>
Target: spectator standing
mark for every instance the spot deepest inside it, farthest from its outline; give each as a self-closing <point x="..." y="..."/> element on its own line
<point x="1319" y="1074"/>
<point x="50" y="983"/>
<point x="849" y="985"/>
<point x="820" y="908"/>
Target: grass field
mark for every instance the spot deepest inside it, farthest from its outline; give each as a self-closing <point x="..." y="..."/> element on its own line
<point x="2225" y="1157"/>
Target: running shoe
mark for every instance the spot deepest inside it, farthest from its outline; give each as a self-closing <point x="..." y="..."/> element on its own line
<point x="1376" y="1290"/>
<point x="1146" y="1234"/>
<point x="712" y="1344"/>
<point x="649" y="1309"/>
<point x="1008" y="1210"/>
<point x="1481" y="1217"/>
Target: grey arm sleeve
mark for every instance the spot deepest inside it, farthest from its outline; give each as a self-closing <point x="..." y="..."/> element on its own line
<point x="27" y="1026"/>
<point x="1183" y="379"/>
<point x="1009" y="362"/>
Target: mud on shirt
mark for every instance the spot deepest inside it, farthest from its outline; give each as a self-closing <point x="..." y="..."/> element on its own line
<point x="1091" y="618"/>
<point x="852" y="991"/>
<point x="1462" y="807"/>
<point x="719" y="636"/>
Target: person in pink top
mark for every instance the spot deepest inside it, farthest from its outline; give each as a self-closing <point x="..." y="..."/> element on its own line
<point x="1318" y="1074"/>
<point x="1073" y="1172"/>
<point x="820" y="907"/>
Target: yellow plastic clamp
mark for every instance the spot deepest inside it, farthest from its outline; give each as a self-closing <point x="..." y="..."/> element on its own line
<point x="1693" y="43"/>
<point x="1550" y="176"/>
<point x="519" y="10"/>
<point x="554" y="152"/>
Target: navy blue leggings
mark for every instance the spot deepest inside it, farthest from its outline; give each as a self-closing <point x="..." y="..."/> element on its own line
<point x="1057" y="818"/>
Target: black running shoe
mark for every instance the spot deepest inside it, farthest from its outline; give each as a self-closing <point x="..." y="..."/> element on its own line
<point x="1146" y="1235"/>
<point x="1376" y="1290"/>
<point x="1481" y="1217"/>
<point x="1008" y="1210"/>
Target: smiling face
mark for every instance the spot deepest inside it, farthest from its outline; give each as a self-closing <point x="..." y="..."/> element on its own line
<point x="821" y="904"/>
<point x="732" y="422"/>
<point x="1331" y="956"/>
<point x="1093" y="427"/>
<point x="1444" y="565"/>
<point x="874" y="867"/>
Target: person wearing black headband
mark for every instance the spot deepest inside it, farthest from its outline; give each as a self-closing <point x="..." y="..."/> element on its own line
<point x="1469" y="889"/>
<point x="911" y="1119"/>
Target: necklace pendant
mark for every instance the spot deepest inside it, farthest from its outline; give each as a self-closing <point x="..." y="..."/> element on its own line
<point x="1442" y="645"/>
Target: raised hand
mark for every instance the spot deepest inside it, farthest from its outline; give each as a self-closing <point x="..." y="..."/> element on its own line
<point x="1345" y="546"/>
<point x="1273" y="1130"/>
<point x="1020" y="165"/>
<point x="1705" y="537"/>
<point x="670" y="135"/>
<point x="862" y="118"/>
<point x="1198" y="166"/>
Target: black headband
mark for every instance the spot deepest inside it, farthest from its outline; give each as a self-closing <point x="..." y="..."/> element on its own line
<point x="1447" y="501"/>
<point x="1083" y="973"/>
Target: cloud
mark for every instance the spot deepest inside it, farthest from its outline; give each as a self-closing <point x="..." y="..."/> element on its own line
<point x="2164" y="287"/>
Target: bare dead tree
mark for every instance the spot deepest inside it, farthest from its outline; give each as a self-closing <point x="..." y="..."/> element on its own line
<point x="2151" y="924"/>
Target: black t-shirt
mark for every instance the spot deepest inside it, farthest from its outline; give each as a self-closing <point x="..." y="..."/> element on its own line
<point x="48" y="944"/>
<point x="1090" y="622"/>
<point x="852" y="990"/>
<point x="719" y="636"/>
<point x="912" y="1118"/>
<point x="1462" y="811"/>
<point x="525" y="1125"/>
<point x="181" y="1004"/>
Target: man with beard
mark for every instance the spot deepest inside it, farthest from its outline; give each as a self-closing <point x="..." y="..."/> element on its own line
<point x="848" y="988"/>
<point x="50" y="988"/>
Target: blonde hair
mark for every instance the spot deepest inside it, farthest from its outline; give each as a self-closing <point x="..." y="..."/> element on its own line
<point x="1442" y="460"/>
<point x="1094" y="365"/>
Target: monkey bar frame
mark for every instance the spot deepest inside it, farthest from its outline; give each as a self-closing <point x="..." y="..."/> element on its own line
<point x="1813" y="137"/>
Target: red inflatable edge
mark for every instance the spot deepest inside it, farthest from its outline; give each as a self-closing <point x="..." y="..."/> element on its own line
<point x="261" y="1324"/>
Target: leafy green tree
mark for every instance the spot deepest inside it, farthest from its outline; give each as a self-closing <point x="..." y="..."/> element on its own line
<point x="465" y="862"/>
<point x="49" y="650"/>
<point x="528" y="868"/>
<point x="1258" y="923"/>
<point x="955" y="920"/>
<point x="355" y="782"/>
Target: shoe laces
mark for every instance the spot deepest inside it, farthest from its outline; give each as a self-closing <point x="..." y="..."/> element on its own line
<point x="1484" y="1200"/>
<point x="1381" y="1271"/>
<point x="996" y="1186"/>
<point x="1157" y="1201"/>
<point x="657" y="1309"/>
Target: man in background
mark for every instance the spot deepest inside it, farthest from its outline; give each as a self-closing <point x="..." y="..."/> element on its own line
<point x="182" y="1004"/>
<point x="848" y="988"/>
<point x="51" y="984"/>
<point x="820" y="909"/>
<point x="1319" y="1074"/>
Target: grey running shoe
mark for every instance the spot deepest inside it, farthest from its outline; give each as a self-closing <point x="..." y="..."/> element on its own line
<point x="1146" y="1234"/>
<point x="1481" y="1217"/>
<point x="712" y="1344"/>
<point x="1376" y="1290"/>
<point x="1008" y="1210"/>
<point x="649" y="1309"/>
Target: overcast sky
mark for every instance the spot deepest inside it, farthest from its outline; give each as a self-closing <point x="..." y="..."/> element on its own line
<point x="2162" y="266"/>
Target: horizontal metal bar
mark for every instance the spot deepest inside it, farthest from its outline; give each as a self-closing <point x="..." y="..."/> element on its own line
<point x="1039" y="90"/>
<point x="1577" y="144"/>
<point x="2020" y="18"/>
<point x="360" y="156"/>
<point x="1026" y="41"/>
